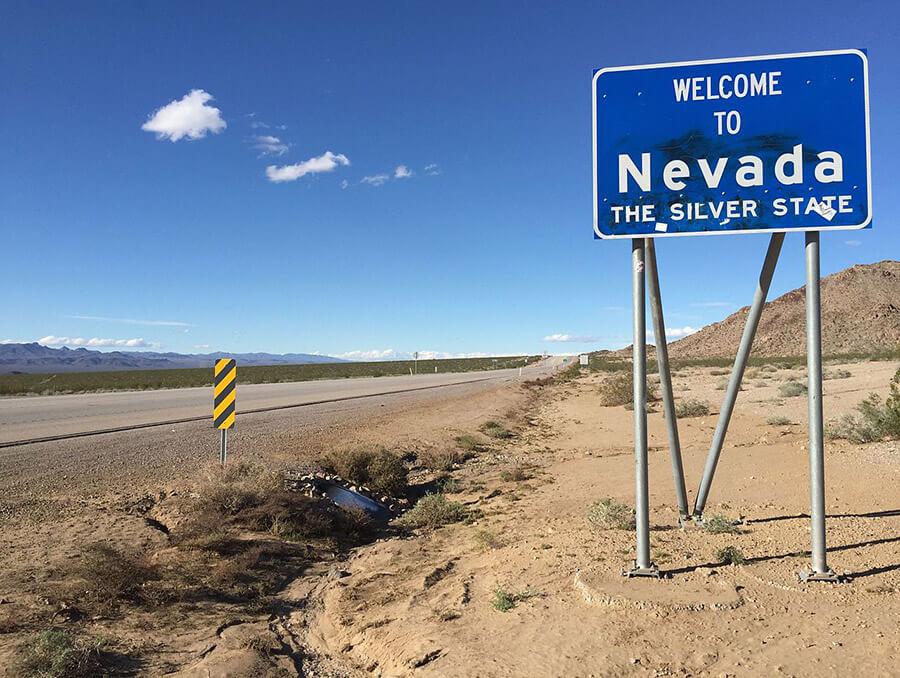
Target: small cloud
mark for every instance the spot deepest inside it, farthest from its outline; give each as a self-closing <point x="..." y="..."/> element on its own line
<point x="326" y="162"/>
<point x="402" y="172"/>
<point x="344" y="183"/>
<point x="375" y="179"/>
<point x="96" y="342"/>
<point x="131" y="321"/>
<point x="853" y="243"/>
<point x="573" y="338"/>
<point x="189" y="117"/>
<point x="679" y="332"/>
<point x="12" y="341"/>
<point x="269" y="145"/>
<point x="432" y="169"/>
<point x="712" y="304"/>
<point x="202" y="346"/>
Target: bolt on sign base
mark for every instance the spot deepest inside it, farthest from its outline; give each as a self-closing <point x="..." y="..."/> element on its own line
<point x="807" y="574"/>
<point x="650" y="571"/>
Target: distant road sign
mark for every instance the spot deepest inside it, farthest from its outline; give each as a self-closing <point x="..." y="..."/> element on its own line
<point x="755" y="144"/>
<point x="224" y="383"/>
<point x="583" y="359"/>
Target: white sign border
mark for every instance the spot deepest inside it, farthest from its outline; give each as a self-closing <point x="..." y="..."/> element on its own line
<point x="629" y="236"/>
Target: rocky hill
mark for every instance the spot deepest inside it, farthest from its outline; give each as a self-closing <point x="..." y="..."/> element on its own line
<point x="860" y="313"/>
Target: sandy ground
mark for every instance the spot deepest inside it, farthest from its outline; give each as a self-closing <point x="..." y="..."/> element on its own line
<point x="419" y="603"/>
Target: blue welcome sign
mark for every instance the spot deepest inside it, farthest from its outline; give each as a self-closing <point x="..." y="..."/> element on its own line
<point x="755" y="144"/>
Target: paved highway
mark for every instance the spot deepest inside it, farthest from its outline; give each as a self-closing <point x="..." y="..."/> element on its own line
<point x="32" y="418"/>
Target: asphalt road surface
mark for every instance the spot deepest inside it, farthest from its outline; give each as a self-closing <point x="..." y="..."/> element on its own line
<point x="31" y="418"/>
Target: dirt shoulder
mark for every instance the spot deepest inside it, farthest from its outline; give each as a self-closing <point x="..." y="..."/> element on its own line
<point x="526" y="585"/>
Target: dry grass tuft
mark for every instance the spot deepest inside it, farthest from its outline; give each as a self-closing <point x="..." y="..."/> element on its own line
<point x="432" y="511"/>
<point x="618" y="389"/>
<point x="690" y="407"/>
<point x="610" y="514"/>
<point x="56" y="653"/>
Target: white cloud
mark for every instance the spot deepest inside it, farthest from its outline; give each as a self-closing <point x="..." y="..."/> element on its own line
<point x="712" y="304"/>
<point x="12" y="341"/>
<point x="326" y="162"/>
<point x="189" y="117"/>
<point x="344" y="183"/>
<point x="269" y="145"/>
<point x="432" y="169"/>
<point x="679" y="332"/>
<point x="853" y="243"/>
<point x="202" y="346"/>
<point x="132" y="321"/>
<point x="402" y="172"/>
<point x="375" y="179"/>
<point x="374" y="354"/>
<point x="575" y="338"/>
<point x="96" y="342"/>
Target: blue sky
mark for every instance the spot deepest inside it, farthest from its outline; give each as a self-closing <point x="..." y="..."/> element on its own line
<point x="115" y="233"/>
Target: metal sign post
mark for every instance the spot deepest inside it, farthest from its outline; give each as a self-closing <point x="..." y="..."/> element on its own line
<point x="224" y="396"/>
<point x="643" y="567"/>
<point x="730" y="146"/>
<point x="820" y="570"/>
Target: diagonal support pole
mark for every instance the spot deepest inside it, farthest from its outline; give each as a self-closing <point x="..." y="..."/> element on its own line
<point x="665" y="378"/>
<point x="737" y="372"/>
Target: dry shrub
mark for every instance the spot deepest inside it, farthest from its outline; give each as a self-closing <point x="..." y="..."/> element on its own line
<point x="791" y="389"/>
<point x="778" y="420"/>
<point x="104" y="577"/>
<point x="618" y="389"/>
<point x="719" y="524"/>
<point x="376" y="468"/>
<point x="691" y="408"/>
<point x="443" y="459"/>
<point x="515" y="475"/>
<point x="610" y="514"/>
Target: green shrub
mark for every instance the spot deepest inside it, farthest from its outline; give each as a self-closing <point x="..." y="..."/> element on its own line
<point x="379" y="469"/>
<point x="790" y="389"/>
<point x="719" y="524"/>
<point x="60" y="654"/>
<point x="691" y="408"/>
<point x="495" y="430"/>
<point x="610" y="514"/>
<point x="503" y="601"/>
<point x="778" y="420"/>
<point x="731" y="556"/>
<point x="873" y="419"/>
<point x="434" y="510"/>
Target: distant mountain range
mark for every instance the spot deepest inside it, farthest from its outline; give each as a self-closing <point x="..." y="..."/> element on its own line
<point x="35" y="358"/>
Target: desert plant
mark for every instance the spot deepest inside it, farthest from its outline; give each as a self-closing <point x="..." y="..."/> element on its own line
<point x="719" y="524"/>
<point x="104" y="577"/>
<point x="778" y="420"/>
<point x="495" y="430"/>
<point x="731" y="555"/>
<point x="610" y="514"/>
<point x="691" y="408"/>
<point x="444" y="458"/>
<point x="470" y="443"/>
<point x="515" y="475"/>
<point x="486" y="539"/>
<point x="503" y="601"/>
<point x="836" y="374"/>
<point x="56" y="653"/>
<point x="618" y="389"/>
<point x="434" y="510"/>
<point x="873" y="420"/>
<point x="790" y="389"/>
<point x="378" y="468"/>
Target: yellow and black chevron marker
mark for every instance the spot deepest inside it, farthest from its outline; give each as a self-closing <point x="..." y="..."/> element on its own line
<point x="224" y="382"/>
